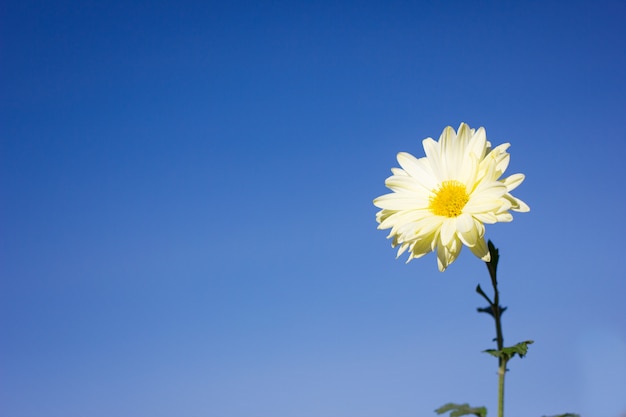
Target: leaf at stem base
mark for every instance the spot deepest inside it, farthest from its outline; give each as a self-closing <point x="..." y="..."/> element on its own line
<point x="566" y="415"/>
<point x="458" y="410"/>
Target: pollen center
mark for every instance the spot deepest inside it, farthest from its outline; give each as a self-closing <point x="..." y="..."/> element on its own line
<point x="449" y="199"/>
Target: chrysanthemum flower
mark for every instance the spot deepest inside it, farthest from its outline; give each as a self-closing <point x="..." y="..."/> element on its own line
<point x="442" y="201"/>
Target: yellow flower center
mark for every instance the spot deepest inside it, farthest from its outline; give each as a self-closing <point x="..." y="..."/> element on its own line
<point x="449" y="199"/>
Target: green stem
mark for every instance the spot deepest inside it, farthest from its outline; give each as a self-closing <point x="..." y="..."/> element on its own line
<point x="501" y="372"/>
<point x="497" y="316"/>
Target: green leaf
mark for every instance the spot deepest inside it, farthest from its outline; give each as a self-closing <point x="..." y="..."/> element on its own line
<point x="566" y="415"/>
<point x="490" y="310"/>
<point x="458" y="410"/>
<point x="508" y="352"/>
<point x="482" y="293"/>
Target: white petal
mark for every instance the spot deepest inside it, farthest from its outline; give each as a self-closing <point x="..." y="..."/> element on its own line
<point x="442" y="258"/>
<point x="431" y="148"/>
<point x="464" y="134"/>
<point x="503" y="164"/>
<point x="513" y="181"/>
<point x="504" y="217"/>
<point x="447" y="254"/>
<point x="500" y="157"/>
<point x="406" y="183"/>
<point x="398" y="171"/>
<point x="451" y="151"/>
<point x="468" y="171"/>
<point x="485" y="217"/>
<point x="398" y="201"/>
<point x="476" y="206"/>
<point x="481" y="250"/>
<point x="402" y="249"/>
<point x="419" y="169"/>
<point x="448" y="231"/>
<point x="489" y="190"/>
<point x="478" y="144"/>
<point x="429" y="225"/>
<point x="422" y="247"/>
<point x="404" y="217"/>
<point x="520" y="206"/>
<point x="466" y="230"/>
<point x="486" y="171"/>
<point x="464" y="223"/>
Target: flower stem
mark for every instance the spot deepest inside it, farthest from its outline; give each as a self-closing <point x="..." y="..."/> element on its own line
<point x="501" y="372"/>
<point x="496" y="313"/>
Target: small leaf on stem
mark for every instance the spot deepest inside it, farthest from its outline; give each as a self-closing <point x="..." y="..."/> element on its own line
<point x="489" y="310"/>
<point x="566" y="415"/>
<point x="508" y="352"/>
<point x="481" y="292"/>
<point x="457" y="410"/>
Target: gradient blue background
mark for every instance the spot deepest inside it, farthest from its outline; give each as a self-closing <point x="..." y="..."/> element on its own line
<point x="187" y="225"/>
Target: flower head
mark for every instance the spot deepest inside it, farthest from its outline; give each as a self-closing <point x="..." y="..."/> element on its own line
<point x="441" y="202"/>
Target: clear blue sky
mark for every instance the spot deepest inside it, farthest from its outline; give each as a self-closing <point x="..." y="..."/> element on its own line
<point x="186" y="217"/>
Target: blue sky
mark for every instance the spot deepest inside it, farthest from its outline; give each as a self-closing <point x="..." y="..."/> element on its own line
<point x="187" y="225"/>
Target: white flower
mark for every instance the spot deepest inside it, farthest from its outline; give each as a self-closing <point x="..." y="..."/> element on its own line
<point x="442" y="201"/>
